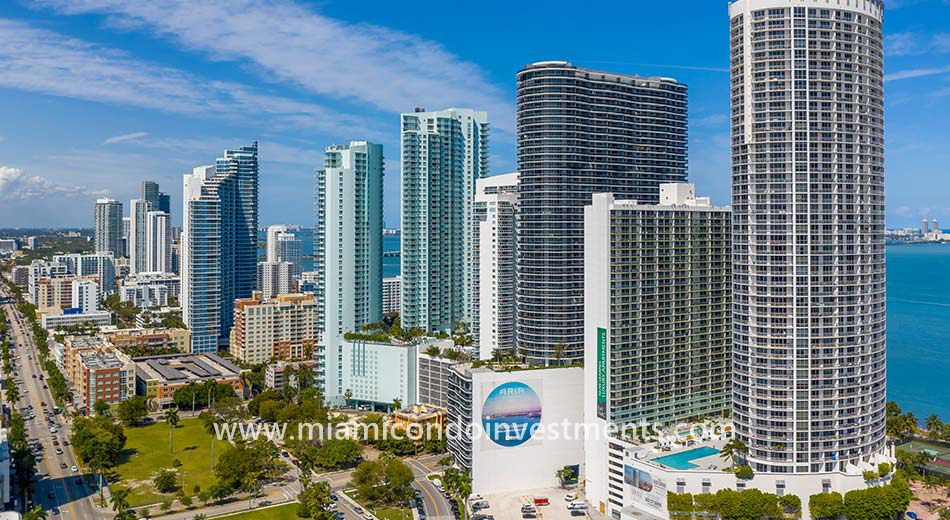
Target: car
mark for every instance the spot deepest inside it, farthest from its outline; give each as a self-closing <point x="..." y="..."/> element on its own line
<point x="43" y="404"/>
<point x="62" y="465"/>
<point x="55" y="510"/>
<point x="577" y="505"/>
<point x="358" y="509"/>
<point x="417" y="492"/>
<point x="65" y="442"/>
<point x="570" y="497"/>
<point x="368" y="516"/>
<point x="55" y="443"/>
<point x="284" y="454"/>
<point x="59" y="451"/>
<point x="475" y="497"/>
<point x="577" y="512"/>
<point x="45" y="387"/>
<point x="52" y="429"/>
<point x="34" y="376"/>
<point x="74" y="469"/>
<point x="334" y="497"/>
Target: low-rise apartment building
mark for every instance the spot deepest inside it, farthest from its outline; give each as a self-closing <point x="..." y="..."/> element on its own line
<point x="157" y="377"/>
<point x="104" y="375"/>
<point x="280" y="374"/>
<point x="138" y="342"/>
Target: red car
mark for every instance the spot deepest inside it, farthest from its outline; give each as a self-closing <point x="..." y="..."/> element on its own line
<point x="55" y="443"/>
<point x="44" y="404"/>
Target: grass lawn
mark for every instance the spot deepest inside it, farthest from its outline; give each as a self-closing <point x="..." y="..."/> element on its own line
<point x="285" y="512"/>
<point x="147" y="450"/>
<point x="392" y="513"/>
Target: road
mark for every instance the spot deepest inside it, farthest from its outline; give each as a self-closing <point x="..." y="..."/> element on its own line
<point x="434" y="504"/>
<point x="73" y="500"/>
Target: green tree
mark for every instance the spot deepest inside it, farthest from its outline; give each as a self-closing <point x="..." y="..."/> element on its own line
<point x="383" y="481"/>
<point x="101" y="407"/>
<point x="37" y="513"/>
<point x="733" y="450"/>
<point x="934" y="426"/>
<point x="246" y="463"/>
<point x="826" y="505"/>
<point x="120" y="500"/>
<point x="98" y="442"/>
<point x="171" y="418"/>
<point x="133" y="410"/>
<point x="315" y="500"/>
<point x="791" y="503"/>
<point x="165" y="481"/>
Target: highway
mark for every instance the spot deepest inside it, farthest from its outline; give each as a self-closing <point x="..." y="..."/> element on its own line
<point x="72" y="500"/>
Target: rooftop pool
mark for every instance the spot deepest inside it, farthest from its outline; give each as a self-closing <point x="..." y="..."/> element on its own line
<point x="683" y="460"/>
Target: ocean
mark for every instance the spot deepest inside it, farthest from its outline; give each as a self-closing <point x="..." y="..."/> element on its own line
<point x="918" y="314"/>
<point x="918" y="319"/>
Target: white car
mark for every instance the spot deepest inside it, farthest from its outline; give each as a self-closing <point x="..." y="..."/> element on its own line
<point x="74" y="469"/>
<point x="475" y="498"/>
<point x="52" y="430"/>
<point x="570" y="497"/>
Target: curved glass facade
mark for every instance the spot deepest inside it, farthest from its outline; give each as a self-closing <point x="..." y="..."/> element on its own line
<point x="808" y="233"/>
<point x="581" y="132"/>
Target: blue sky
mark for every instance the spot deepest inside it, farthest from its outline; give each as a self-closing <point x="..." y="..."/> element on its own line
<point x="97" y="95"/>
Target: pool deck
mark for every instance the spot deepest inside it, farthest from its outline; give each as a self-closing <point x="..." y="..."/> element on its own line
<point x="707" y="463"/>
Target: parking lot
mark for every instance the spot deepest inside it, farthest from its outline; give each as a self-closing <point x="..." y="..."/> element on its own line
<point x="507" y="506"/>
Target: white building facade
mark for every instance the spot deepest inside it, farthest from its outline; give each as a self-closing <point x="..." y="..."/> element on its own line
<point x="443" y="154"/>
<point x="348" y="248"/>
<point x="495" y="253"/>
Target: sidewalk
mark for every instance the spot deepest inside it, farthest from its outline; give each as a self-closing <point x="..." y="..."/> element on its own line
<point x="273" y="498"/>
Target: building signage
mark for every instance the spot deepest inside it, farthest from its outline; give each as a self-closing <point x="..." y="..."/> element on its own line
<point x="602" y="373"/>
<point x="511" y="414"/>
<point x="646" y="489"/>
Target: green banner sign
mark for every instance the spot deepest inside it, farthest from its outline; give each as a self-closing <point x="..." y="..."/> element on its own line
<point x="602" y="373"/>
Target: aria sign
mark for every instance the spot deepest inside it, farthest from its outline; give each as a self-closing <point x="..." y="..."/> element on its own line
<point x="511" y="414"/>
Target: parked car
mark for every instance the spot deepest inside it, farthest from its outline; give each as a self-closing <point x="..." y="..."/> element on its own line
<point x="541" y="501"/>
<point x="570" y="497"/>
<point x="577" y="505"/>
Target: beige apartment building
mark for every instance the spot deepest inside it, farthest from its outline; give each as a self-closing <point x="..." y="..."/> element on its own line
<point x="282" y="328"/>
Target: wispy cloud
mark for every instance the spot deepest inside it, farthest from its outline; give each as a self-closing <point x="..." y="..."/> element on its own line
<point x="44" y="61"/>
<point x="287" y="42"/>
<point x="710" y="120"/>
<point x="15" y="185"/>
<point x="125" y="137"/>
<point x="915" y="73"/>
<point x="915" y="43"/>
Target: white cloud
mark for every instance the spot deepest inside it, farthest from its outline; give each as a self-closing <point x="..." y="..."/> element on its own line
<point x="915" y="73"/>
<point x="902" y="44"/>
<point x="44" y="61"/>
<point x="283" y="41"/>
<point x="134" y="136"/>
<point x="14" y="185"/>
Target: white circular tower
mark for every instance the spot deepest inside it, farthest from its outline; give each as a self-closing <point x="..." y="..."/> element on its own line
<point x="808" y="210"/>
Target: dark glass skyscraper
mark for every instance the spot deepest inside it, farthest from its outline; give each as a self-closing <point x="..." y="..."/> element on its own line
<point x="219" y="244"/>
<point x="581" y="132"/>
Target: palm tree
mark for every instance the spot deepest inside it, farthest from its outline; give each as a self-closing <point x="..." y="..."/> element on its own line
<point x="559" y="352"/>
<point x="36" y="513"/>
<point x="733" y="450"/>
<point x="348" y="394"/>
<point x="397" y="404"/>
<point x="120" y="500"/>
<point x="934" y="426"/>
<point x="171" y="417"/>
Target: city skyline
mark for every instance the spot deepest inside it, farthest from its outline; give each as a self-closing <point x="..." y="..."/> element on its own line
<point x="50" y="161"/>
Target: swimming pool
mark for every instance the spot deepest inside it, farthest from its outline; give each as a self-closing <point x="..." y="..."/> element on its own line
<point x="683" y="460"/>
